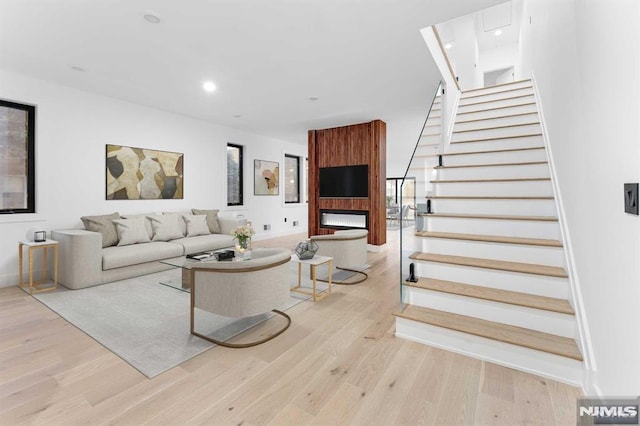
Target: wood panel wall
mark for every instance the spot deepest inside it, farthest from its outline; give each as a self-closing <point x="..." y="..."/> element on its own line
<point x="350" y="146"/>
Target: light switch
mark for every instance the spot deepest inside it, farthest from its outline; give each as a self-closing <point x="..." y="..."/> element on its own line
<point x="631" y="198"/>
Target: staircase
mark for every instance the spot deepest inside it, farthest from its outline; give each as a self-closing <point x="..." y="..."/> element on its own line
<point x="490" y="262"/>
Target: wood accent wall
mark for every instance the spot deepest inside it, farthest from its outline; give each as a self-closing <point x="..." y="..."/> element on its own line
<point x="353" y="145"/>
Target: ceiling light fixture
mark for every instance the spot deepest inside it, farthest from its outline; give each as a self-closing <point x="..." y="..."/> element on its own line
<point x="151" y="17"/>
<point x="448" y="46"/>
<point x="498" y="32"/>
<point x="237" y="116"/>
<point x="209" y="86"/>
<point x="77" y="68"/>
<point x="313" y="98"/>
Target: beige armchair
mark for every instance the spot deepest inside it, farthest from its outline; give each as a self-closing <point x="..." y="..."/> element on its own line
<point x="242" y="288"/>
<point x="348" y="249"/>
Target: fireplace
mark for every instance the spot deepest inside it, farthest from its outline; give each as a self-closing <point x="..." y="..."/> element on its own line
<point x="344" y="219"/>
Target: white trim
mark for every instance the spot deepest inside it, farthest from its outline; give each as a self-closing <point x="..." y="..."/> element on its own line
<point x="21" y="218"/>
<point x="584" y="343"/>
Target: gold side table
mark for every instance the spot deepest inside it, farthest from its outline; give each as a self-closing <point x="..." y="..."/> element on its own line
<point x="313" y="263"/>
<point x="35" y="287"/>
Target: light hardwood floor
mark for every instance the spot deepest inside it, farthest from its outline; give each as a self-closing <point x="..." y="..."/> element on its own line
<point x="338" y="363"/>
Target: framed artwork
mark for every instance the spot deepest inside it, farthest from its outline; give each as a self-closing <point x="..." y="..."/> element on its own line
<point x="143" y="174"/>
<point x="266" y="177"/>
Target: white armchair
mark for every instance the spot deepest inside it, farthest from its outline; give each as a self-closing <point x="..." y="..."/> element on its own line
<point x="348" y="249"/>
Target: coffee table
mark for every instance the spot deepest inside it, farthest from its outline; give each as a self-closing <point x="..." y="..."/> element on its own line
<point x="186" y="264"/>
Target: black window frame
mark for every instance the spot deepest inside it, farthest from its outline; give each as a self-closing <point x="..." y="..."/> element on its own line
<point x="31" y="156"/>
<point x="297" y="158"/>
<point x="240" y="149"/>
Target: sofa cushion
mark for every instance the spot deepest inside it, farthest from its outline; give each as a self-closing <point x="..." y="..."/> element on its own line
<point x="212" y="219"/>
<point x="205" y="242"/>
<point x="131" y="231"/>
<point x="166" y="227"/>
<point x="104" y="225"/>
<point x="147" y="222"/>
<point x="117" y="257"/>
<point x="196" y="224"/>
<point x="183" y="226"/>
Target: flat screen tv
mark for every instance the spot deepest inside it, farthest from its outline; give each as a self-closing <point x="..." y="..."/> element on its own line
<point x="344" y="182"/>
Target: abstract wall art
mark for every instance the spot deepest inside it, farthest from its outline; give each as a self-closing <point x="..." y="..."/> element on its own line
<point x="143" y="174"/>
<point x="266" y="177"/>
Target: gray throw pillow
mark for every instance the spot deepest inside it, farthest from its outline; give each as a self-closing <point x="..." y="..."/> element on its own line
<point x="212" y="219"/>
<point x="132" y="231"/>
<point x="104" y="225"/>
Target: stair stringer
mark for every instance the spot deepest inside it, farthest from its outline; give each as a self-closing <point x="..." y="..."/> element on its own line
<point x="575" y="299"/>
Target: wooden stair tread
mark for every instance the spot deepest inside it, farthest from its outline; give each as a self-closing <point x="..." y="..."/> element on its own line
<point x="494" y="109"/>
<point x="495" y="85"/>
<point x="497" y="117"/>
<point x="496" y="295"/>
<point x="490" y="180"/>
<point x="487" y="197"/>
<point x="506" y="126"/>
<point x="492" y="165"/>
<point x="490" y="238"/>
<point x="520" y="336"/>
<point x="493" y="151"/>
<point x="492" y="216"/>
<point x="500" y="265"/>
<point x="495" y="93"/>
<point x="528" y="135"/>
<point x="494" y="100"/>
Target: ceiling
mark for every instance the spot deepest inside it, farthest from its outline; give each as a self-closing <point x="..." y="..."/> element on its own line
<point x="363" y="60"/>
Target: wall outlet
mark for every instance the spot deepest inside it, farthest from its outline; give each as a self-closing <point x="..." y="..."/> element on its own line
<point x="267" y="228"/>
<point x="295" y="223"/>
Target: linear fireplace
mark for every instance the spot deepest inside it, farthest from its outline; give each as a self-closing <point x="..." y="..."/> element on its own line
<point x="344" y="219"/>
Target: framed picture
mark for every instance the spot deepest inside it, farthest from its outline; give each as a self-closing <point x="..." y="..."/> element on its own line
<point x="266" y="177"/>
<point x="143" y="174"/>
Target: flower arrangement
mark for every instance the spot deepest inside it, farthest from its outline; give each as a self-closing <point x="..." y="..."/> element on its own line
<point x="243" y="234"/>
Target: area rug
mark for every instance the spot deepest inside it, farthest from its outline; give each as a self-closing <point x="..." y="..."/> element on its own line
<point x="145" y="323"/>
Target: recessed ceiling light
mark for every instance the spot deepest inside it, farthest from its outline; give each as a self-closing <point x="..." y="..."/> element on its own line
<point x="447" y="46"/>
<point x="151" y="17"/>
<point x="209" y="86"/>
<point x="313" y="98"/>
<point x="236" y="116"/>
<point x="498" y="32"/>
<point x="77" y="68"/>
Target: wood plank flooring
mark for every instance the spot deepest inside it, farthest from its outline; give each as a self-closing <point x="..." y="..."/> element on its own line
<point x="339" y="363"/>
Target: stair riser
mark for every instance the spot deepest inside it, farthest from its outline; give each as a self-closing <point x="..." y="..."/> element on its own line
<point x="496" y="96"/>
<point x="423" y="149"/>
<point x="497" y="144"/>
<point x="430" y="139"/>
<point x="503" y="121"/>
<point x="509" y="228"/>
<point x="496" y="89"/>
<point x="540" y="363"/>
<point x="528" y="129"/>
<point x="528" y="188"/>
<point x="499" y="172"/>
<point x="497" y="112"/>
<point x="496" y="207"/>
<point x="519" y="316"/>
<point x="496" y="104"/>
<point x="540" y="285"/>
<point x="552" y="256"/>
<point x="495" y="157"/>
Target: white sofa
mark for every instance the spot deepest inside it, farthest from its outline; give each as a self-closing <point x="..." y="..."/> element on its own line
<point x="84" y="262"/>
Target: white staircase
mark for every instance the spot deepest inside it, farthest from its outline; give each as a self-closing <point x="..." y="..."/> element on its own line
<point x="489" y="256"/>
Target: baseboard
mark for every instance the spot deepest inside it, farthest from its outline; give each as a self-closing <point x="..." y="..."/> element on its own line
<point x="9" y="280"/>
<point x="273" y="234"/>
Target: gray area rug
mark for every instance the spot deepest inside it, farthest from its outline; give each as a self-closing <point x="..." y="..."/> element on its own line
<point x="146" y="323"/>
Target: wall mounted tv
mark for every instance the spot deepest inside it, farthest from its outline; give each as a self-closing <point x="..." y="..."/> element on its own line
<point x="344" y="182"/>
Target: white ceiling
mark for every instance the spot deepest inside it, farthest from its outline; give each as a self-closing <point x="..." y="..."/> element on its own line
<point x="364" y="60"/>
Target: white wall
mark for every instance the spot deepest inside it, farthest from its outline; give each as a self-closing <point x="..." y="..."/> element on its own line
<point x="498" y="58"/>
<point x="73" y="128"/>
<point x="585" y="59"/>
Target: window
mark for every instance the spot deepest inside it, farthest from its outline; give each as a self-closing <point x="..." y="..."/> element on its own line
<point x="291" y="179"/>
<point x="234" y="175"/>
<point x="17" y="158"/>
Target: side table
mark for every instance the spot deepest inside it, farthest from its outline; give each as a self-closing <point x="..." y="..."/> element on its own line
<point x="34" y="287"/>
<point x="313" y="263"/>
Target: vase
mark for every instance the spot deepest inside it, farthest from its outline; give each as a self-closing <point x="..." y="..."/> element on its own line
<point x="243" y="246"/>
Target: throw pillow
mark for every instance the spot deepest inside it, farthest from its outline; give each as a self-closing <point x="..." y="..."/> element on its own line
<point x="104" y="225"/>
<point x="212" y="219"/>
<point x="183" y="226"/>
<point x="131" y="231"/>
<point x="166" y="227"/>
<point x="196" y="225"/>
<point x="147" y="223"/>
